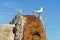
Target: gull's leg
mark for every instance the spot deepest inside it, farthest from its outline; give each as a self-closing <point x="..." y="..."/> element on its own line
<point x="39" y="15"/>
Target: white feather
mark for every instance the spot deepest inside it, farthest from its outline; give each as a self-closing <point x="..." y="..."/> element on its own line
<point x="39" y="11"/>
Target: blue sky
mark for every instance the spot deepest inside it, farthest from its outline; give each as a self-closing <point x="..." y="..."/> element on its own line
<point x="51" y="13"/>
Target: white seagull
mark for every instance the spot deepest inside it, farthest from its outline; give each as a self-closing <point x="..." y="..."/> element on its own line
<point x="38" y="11"/>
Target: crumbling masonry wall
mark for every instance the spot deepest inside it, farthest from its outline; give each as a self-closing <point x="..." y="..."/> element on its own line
<point x="27" y="27"/>
<point x="33" y="28"/>
<point x="6" y="32"/>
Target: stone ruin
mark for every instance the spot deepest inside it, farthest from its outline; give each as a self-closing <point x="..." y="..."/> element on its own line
<point x="26" y="27"/>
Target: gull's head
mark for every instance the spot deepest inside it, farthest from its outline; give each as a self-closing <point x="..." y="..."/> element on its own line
<point x="41" y="8"/>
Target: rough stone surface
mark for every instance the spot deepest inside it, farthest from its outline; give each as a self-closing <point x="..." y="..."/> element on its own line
<point x="6" y="32"/>
<point x="34" y="28"/>
<point x="19" y="29"/>
<point x="27" y="27"/>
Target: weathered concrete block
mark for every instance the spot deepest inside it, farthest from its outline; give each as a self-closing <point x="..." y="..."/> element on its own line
<point x="6" y="32"/>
